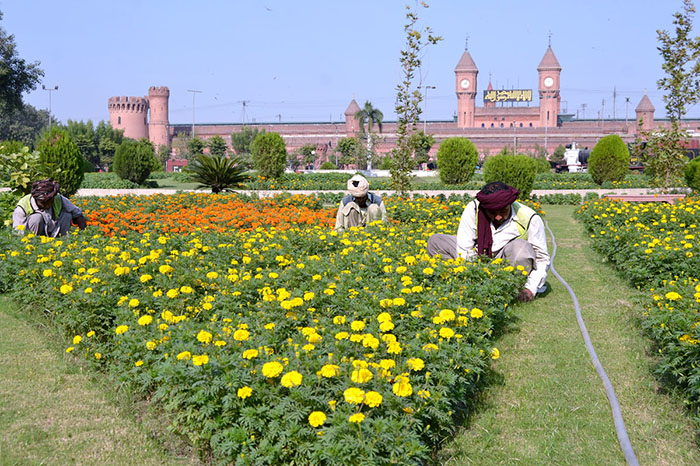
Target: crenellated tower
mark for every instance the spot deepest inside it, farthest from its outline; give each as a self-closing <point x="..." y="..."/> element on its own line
<point x="159" y="122"/>
<point x="129" y="114"/>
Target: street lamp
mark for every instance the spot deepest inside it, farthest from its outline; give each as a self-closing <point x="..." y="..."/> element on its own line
<point x="194" y="93"/>
<point x="515" y="141"/>
<point x="425" y="104"/>
<point x="50" y="89"/>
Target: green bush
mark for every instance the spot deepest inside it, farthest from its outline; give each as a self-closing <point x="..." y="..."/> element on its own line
<point x="216" y="172"/>
<point x="558" y="154"/>
<point x="328" y="166"/>
<point x="19" y="167"/>
<point x="692" y="174"/>
<point x="542" y="165"/>
<point x="456" y="159"/>
<point x="62" y="160"/>
<point x="134" y="160"/>
<point x="609" y="160"/>
<point x="514" y="170"/>
<point x="106" y="180"/>
<point x="269" y="154"/>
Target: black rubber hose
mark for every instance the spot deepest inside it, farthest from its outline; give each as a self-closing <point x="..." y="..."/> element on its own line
<point x="609" y="390"/>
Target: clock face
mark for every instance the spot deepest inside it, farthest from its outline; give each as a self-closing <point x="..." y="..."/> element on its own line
<point x="464" y="83"/>
<point x="548" y="82"/>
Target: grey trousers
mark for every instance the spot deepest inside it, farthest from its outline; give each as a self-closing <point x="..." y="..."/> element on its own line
<point x="517" y="251"/>
<point x="37" y="224"/>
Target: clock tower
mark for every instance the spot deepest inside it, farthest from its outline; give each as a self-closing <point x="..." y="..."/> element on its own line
<point x="465" y="74"/>
<point x="549" y="70"/>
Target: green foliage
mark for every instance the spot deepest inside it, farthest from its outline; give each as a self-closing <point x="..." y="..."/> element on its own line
<point x="162" y="156"/>
<point x="215" y="172"/>
<point x="24" y="124"/>
<point x="385" y="163"/>
<point x="692" y="174"/>
<point x="328" y="166"/>
<point x="609" y="159"/>
<point x="8" y="202"/>
<point x="106" y="180"/>
<point x="681" y="64"/>
<point x="514" y="170"/>
<point x="217" y="146"/>
<point x="370" y="115"/>
<point x="351" y="152"/>
<point x="421" y="143"/>
<point x="241" y="140"/>
<point x="663" y="154"/>
<point x="134" y="160"/>
<point x="456" y="160"/>
<point x="269" y="155"/>
<point x="305" y="155"/>
<point x="16" y="75"/>
<point x="558" y="154"/>
<point x="19" y="167"/>
<point x="542" y="164"/>
<point x="108" y="139"/>
<point x="408" y="99"/>
<point x="62" y="160"/>
<point x="96" y="145"/>
<point x="195" y="146"/>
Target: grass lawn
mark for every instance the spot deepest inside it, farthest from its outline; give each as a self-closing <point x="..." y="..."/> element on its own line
<point x="550" y="407"/>
<point x="51" y="412"/>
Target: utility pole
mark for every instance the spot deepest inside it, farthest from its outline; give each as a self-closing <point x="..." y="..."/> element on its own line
<point x="602" y="114"/>
<point x="627" y="102"/>
<point x="425" y="105"/>
<point x="614" y="101"/>
<point x="50" y="89"/>
<point x="245" y="102"/>
<point x="515" y="141"/>
<point x="583" y="111"/>
<point x="194" y="93"/>
<point x="279" y="118"/>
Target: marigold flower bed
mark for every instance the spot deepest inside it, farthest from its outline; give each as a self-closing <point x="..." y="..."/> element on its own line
<point x="277" y="345"/>
<point x="655" y="246"/>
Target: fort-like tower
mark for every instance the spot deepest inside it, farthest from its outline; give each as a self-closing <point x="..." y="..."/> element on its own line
<point x="645" y="113"/>
<point x="465" y="82"/>
<point x="129" y="114"/>
<point x="158" y="124"/>
<point x="549" y="71"/>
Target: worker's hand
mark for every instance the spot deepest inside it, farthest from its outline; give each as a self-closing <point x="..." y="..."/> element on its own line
<point x="526" y="295"/>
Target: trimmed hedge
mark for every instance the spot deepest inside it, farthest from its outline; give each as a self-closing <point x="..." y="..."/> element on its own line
<point x="456" y="160"/>
<point x="134" y="160"/>
<point x="609" y="160"/>
<point x="517" y="171"/>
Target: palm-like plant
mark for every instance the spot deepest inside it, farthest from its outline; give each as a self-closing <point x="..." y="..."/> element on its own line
<point x="216" y="172"/>
<point x="371" y="115"/>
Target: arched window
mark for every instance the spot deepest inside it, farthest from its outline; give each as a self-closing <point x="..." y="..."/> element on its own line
<point x="483" y="125"/>
<point x="491" y="125"/>
<point x="119" y="120"/>
<point x="521" y="125"/>
<point x="501" y="125"/>
<point x="530" y="124"/>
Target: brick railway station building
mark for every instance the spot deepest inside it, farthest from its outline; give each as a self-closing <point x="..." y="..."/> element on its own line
<point x="490" y="127"/>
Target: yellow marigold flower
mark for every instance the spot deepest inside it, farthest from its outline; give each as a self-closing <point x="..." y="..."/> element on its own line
<point x="447" y="332"/>
<point x="204" y="337"/>
<point x="386" y="302"/>
<point x="354" y="395"/>
<point x="428" y="271"/>
<point x="121" y="329"/>
<point x="673" y="296"/>
<point x="394" y="348"/>
<point x="402" y="386"/>
<point x="361" y="375"/>
<point x="145" y="319"/>
<point x="495" y="354"/>
<point x="250" y="354"/>
<point x="357" y="418"/>
<point x="272" y="369"/>
<point x="270" y="326"/>
<point x="387" y="364"/>
<point x="77" y="339"/>
<point x="145" y="277"/>
<point x="309" y="295"/>
<point x="338" y="320"/>
<point x="88" y="290"/>
<point x="65" y="289"/>
<point x="477" y="313"/>
<point x="186" y="290"/>
<point x="357" y="325"/>
<point x="200" y="360"/>
<point x="184" y="355"/>
<point x="47" y="272"/>
<point x="416" y="364"/>
<point x="430" y="347"/>
<point x="138" y="363"/>
<point x="342" y="336"/>
<point x="317" y="418"/>
<point x="329" y="291"/>
<point x="373" y="399"/>
<point x="446" y="315"/>
<point x="244" y="392"/>
<point x="291" y="379"/>
<point x="212" y="275"/>
<point x="316" y="277"/>
<point x="151" y="345"/>
<point x="91" y="333"/>
<point x="220" y="343"/>
<point x="241" y="335"/>
<point x="384" y="317"/>
<point x="172" y="294"/>
<point x="207" y="306"/>
<point x="386" y="326"/>
<point x="398" y="301"/>
<point x="308" y="347"/>
<point x="69" y="349"/>
<point x="165" y="269"/>
<point x="425" y="394"/>
<point x="98" y="356"/>
<point x="57" y="263"/>
<point x="329" y="370"/>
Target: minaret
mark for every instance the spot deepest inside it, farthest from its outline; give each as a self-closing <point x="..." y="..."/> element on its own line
<point x="645" y="112"/>
<point x="465" y="83"/>
<point x="489" y="104"/>
<point x="549" y="70"/>
<point x="158" y="123"/>
<point x="351" y="123"/>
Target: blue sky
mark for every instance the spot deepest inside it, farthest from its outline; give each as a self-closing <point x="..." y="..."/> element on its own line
<point x="305" y="60"/>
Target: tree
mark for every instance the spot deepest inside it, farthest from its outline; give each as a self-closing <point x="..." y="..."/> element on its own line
<point x="62" y="158"/>
<point x="371" y="116"/>
<point x="108" y="139"/>
<point x="408" y="99"/>
<point x="241" y="140"/>
<point x="307" y="154"/>
<point x="681" y="63"/>
<point x="162" y="155"/>
<point x="351" y="152"/>
<point x="662" y="153"/>
<point x="609" y="160"/>
<point x="16" y="75"/>
<point x="269" y="155"/>
<point x="558" y="154"/>
<point x="216" y="172"/>
<point x="24" y="124"/>
<point x="421" y="144"/>
<point x="85" y="137"/>
<point x="195" y="146"/>
<point x="217" y="146"/>
<point x="134" y="160"/>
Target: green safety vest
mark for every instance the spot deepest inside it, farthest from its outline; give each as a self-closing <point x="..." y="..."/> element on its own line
<point x="522" y="219"/>
<point x="26" y="204"/>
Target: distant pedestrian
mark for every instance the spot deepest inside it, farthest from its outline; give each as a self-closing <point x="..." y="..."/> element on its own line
<point x="360" y="206"/>
<point x="45" y="212"/>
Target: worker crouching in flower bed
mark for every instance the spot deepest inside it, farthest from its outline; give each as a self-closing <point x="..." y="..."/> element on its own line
<point x="360" y="206"/>
<point x="496" y="225"/>
<point x="45" y="212"/>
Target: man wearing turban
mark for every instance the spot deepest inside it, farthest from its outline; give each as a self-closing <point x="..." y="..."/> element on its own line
<point x="360" y="206"/>
<point x="496" y="225"/>
<point x="45" y="212"/>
